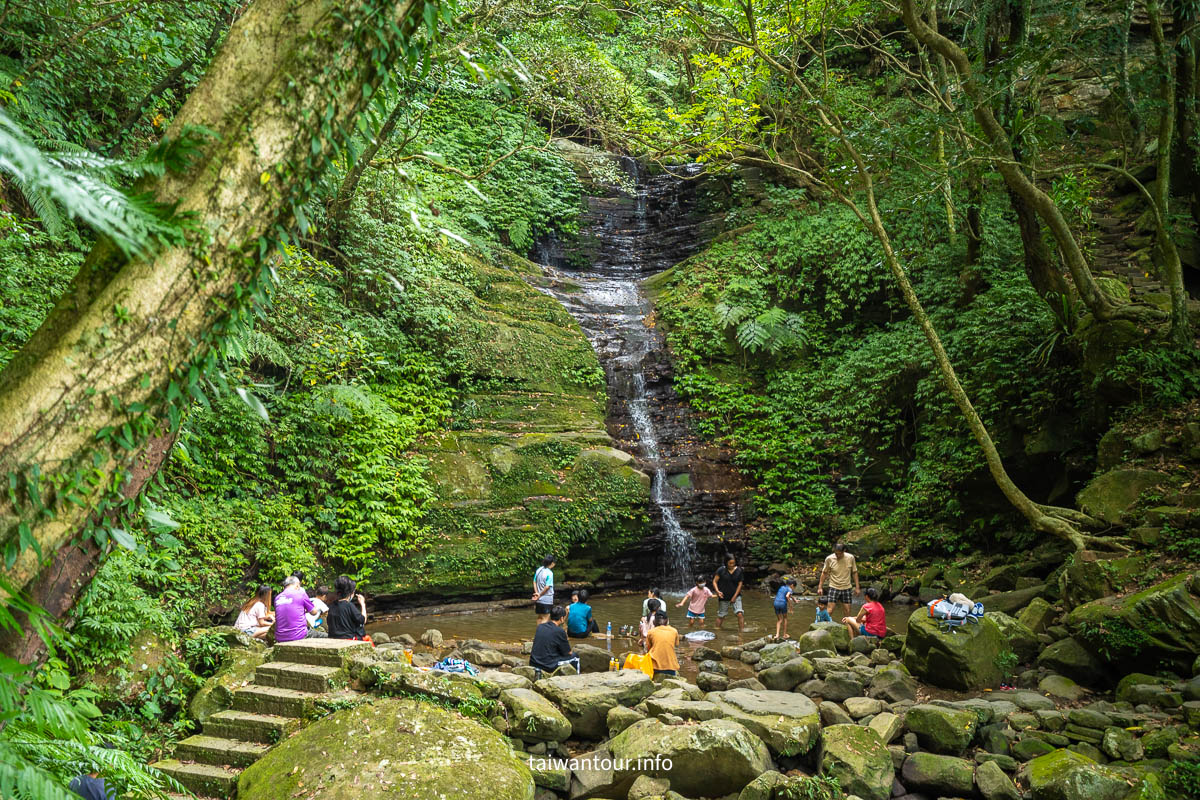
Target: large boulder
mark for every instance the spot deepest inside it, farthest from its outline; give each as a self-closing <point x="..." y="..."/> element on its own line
<point x="370" y="749"/>
<point x="789" y="723"/>
<point x="788" y="675"/>
<point x="586" y="699"/>
<point x="678" y="704"/>
<point x="1160" y="625"/>
<point x="943" y="776"/>
<point x="124" y="680"/>
<point x="859" y="760"/>
<point x="1069" y="657"/>
<point x="963" y="658"/>
<point x="1067" y="775"/>
<point x="1014" y="601"/>
<point x="533" y="718"/>
<point x="710" y="759"/>
<point x="236" y="670"/>
<point x="838" y="632"/>
<point x="1111" y="495"/>
<point x="819" y="639"/>
<point x="775" y="654"/>
<point x="592" y="658"/>
<point x="940" y="729"/>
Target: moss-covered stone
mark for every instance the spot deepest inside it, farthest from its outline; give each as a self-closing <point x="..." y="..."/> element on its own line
<point x="586" y="699"/>
<point x="417" y="750"/>
<point x="1067" y="775"/>
<point x="712" y="758"/>
<point x="1114" y="493"/>
<point x="940" y="729"/>
<point x="964" y="659"/>
<point x="528" y="466"/>
<point x="789" y="723"/>
<point x="859" y="760"/>
<point x="1157" y="626"/>
<point x="236" y="670"/>
<point x="126" y="679"/>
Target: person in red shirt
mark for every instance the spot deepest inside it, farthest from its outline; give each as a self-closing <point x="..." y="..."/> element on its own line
<point x="871" y="619"/>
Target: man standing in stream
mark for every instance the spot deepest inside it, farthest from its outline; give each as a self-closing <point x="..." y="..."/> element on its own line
<point x="842" y="572"/>
<point x="728" y="583"/>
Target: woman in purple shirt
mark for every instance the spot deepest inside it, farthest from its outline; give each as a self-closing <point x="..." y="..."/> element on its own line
<point x="290" y="607"/>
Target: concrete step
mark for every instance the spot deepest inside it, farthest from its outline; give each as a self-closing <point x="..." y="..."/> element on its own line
<point x="250" y="727"/>
<point x="273" y="700"/>
<point x="320" y="652"/>
<point x="202" y="779"/>
<point x="302" y="677"/>
<point x="219" y="751"/>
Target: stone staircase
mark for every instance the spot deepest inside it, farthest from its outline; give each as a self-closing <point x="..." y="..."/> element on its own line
<point x="284" y="695"/>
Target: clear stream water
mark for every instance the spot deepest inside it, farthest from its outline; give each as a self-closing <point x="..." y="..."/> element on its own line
<point x="514" y="625"/>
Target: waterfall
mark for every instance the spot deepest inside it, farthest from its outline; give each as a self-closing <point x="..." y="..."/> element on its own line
<point x="627" y="236"/>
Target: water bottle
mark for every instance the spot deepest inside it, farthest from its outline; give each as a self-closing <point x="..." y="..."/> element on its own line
<point x="613" y="666"/>
<point x="608" y="632"/>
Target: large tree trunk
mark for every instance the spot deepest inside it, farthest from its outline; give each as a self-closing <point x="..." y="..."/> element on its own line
<point x="131" y="339"/>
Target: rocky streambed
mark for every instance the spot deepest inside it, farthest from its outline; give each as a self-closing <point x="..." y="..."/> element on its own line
<point x="916" y="716"/>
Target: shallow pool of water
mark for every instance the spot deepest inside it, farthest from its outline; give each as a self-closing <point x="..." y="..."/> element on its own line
<point x="514" y="625"/>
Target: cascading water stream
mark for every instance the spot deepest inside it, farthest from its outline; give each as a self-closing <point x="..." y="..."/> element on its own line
<point x="627" y="236"/>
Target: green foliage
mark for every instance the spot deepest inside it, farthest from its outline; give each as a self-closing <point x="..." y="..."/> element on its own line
<point x="1161" y="377"/>
<point x="1115" y="639"/>
<point x="1181" y="779"/>
<point x="34" y="270"/>
<point x="817" y="787"/>
<point x="1007" y="662"/>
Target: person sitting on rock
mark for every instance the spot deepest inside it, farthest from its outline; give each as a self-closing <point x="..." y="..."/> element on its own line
<point x="871" y="619"/>
<point x="653" y="606"/>
<point x="661" y="643"/>
<point x="551" y="649"/>
<point x="348" y="614"/>
<point x="320" y="602"/>
<point x="254" y="619"/>
<point x="580" y="623"/>
<point x="290" y="607"/>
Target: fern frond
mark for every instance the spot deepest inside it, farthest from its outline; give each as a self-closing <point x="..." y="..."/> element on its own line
<point x="729" y="315"/>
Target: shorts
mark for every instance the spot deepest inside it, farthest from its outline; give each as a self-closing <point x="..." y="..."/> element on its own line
<point x="542" y="608"/>
<point x="840" y="596"/>
<point x="723" y="606"/>
<point x="862" y="631"/>
<point x="781" y="611"/>
<point x="693" y="615"/>
<point x="248" y="631"/>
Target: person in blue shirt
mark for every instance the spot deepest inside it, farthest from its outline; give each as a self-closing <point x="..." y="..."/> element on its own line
<point x="823" y="610"/>
<point x="787" y="591"/>
<point x="580" y="624"/>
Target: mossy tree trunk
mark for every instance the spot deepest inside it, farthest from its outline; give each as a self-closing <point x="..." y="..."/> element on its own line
<point x="131" y="339"/>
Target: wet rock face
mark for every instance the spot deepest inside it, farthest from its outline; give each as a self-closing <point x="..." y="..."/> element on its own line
<point x="625" y="236"/>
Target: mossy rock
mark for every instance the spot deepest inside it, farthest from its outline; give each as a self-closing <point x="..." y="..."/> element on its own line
<point x="1154" y="627"/>
<point x="1110" y="496"/>
<point x="1069" y="657"/>
<point x="236" y="670"/>
<point x="968" y="658"/>
<point x="1067" y="775"/>
<point x="859" y="760"/>
<point x="415" y="749"/>
<point x="1021" y="639"/>
<point x="710" y="759"/>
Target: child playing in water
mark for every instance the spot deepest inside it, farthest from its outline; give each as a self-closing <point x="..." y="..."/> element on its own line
<point x="696" y="599"/>
<point x="823" y="610"/>
<point x="786" y="592"/>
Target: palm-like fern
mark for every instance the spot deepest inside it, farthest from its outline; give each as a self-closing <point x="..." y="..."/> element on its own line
<point x="44" y="737"/>
<point x="63" y="181"/>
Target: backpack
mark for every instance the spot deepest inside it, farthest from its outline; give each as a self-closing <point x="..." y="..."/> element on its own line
<point x="455" y="665"/>
<point x="950" y="616"/>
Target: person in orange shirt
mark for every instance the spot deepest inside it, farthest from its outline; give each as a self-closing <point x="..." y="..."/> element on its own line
<point x="661" y="643"/>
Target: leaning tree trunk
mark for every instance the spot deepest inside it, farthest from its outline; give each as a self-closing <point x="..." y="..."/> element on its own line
<point x="133" y="339"/>
<point x="1009" y="167"/>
